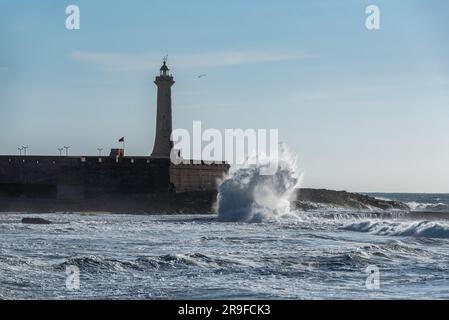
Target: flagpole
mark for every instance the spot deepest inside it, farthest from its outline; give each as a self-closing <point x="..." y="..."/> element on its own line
<point x="122" y="140"/>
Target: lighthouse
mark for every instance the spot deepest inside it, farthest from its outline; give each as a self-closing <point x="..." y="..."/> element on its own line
<point x="163" y="143"/>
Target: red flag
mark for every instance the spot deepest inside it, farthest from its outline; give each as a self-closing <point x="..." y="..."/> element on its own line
<point x="122" y="139"/>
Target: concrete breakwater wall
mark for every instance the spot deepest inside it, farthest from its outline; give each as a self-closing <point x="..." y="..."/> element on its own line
<point x="75" y="178"/>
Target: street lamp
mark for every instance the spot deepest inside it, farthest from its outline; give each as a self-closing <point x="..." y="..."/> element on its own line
<point x="60" y="151"/>
<point x="66" y="150"/>
<point x="99" y="151"/>
<point x="24" y="150"/>
<point x="20" y="150"/>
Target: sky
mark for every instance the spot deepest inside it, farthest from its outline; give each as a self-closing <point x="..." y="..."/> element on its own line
<point x="364" y="110"/>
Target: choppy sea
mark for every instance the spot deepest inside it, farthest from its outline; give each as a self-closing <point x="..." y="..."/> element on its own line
<point x="325" y="253"/>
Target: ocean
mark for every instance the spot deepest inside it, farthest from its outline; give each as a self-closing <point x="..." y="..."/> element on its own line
<point x="325" y="253"/>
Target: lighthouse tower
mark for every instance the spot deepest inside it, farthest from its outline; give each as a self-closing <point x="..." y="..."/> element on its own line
<point x="163" y="143"/>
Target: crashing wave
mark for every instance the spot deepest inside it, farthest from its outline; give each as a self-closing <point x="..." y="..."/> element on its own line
<point x="248" y="194"/>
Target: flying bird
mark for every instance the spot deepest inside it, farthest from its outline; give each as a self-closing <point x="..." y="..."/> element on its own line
<point x="201" y="76"/>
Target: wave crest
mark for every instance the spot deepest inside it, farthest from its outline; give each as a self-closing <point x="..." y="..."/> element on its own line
<point x="425" y="229"/>
<point x="416" y="206"/>
<point x="94" y="264"/>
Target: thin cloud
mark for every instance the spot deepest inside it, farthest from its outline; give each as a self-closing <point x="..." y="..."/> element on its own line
<point x="3" y="69"/>
<point x="116" y="61"/>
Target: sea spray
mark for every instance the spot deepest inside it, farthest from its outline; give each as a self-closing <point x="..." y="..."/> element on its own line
<point x="249" y="194"/>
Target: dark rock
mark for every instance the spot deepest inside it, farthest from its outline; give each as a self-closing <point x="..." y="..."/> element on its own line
<point x="345" y="199"/>
<point x="35" y="221"/>
<point x="188" y="203"/>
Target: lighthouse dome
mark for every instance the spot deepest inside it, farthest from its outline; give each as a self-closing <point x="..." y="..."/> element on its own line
<point x="164" y="67"/>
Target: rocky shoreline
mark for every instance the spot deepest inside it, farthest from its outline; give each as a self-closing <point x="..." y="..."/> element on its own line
<point x="190" y="203"/>
<point x="310" y="198"/>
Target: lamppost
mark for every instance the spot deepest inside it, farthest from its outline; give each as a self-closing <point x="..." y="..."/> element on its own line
<point x="20" y="150"/>
<point x="99" y="151"/>
<point x="60" y="151"/>
<point x="66" y="150"/>
<point x="24" y="150"/>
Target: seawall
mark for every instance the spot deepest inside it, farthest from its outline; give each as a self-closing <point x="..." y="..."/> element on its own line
<point x="83" y="178"/>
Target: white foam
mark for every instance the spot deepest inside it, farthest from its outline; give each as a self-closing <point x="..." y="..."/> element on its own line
<point x="418" y="206"/>
<point x="426" y="229"/>
<point x="246" y="194"/>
